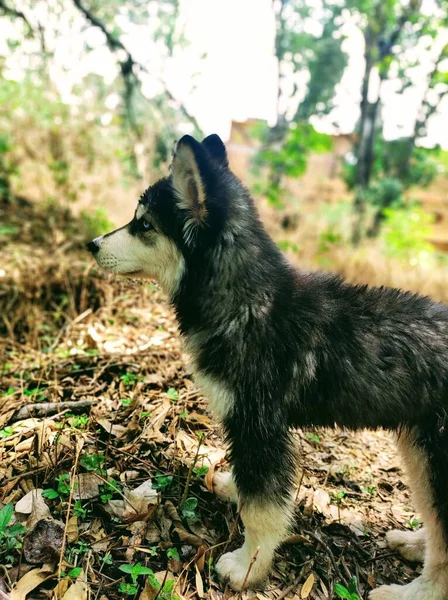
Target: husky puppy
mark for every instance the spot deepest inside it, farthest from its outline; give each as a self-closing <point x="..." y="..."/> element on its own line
<point x="275" y="348"/>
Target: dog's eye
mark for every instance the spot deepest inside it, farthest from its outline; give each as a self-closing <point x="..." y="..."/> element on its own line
<point x="146" y="225"/>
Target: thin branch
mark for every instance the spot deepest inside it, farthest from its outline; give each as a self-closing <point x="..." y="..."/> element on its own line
<point x="129" y="66"/>
<point x="15" y="14"/>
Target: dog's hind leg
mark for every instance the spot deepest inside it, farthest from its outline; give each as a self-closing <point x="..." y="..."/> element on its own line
<point x="425" y="453"/>
<point x="264" y="472"/>
<point x="410" y="544"/>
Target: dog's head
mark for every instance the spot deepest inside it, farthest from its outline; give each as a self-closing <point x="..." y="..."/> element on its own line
<point x="177" y="217"/>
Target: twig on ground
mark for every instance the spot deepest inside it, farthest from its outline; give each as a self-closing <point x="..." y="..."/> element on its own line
<point x="330" y="554"/>
<point x="296" y="581"/>
<point x="45" y="409"/>
<point x="249" y="568"/>
<point x="190" y="471"/>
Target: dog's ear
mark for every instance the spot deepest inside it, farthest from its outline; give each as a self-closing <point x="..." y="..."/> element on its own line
<point x="216" y="149"/>
<point x="189" y="171"/>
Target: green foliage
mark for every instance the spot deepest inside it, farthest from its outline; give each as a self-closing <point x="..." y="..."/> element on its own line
<point x="350" y="594"/>
<point x="405" y="232"/>
<point x="286" y="245"/>
<point x="316" y="51"/>
<point x="313" y="437"/>
<point x="6" y="432"/>
<point x="288" y="159"/>
<point x="79" y="510"/>
<point x="74" y="573"/>
<point x="11" y="534"/>
<point x="189" y="507"/>
<point x="96" y="222"/>
<point x="129" y="379"/>
<point x="414" y="523"/>
<point x="162" y="481"/>
<point x="201" y="471"/>
<point x="136" y="570"/>
<point x="78" y="421"/>
<point x="108" y="490"/>
<point x="338" y="497"/>
<point x="8" y="168"/>
<point x="172" y="394"/>
<point x="130" y="589"/>
<point x="173" y="553"/>
<point x="62" y="490"/>
<point x="93" y="462"/>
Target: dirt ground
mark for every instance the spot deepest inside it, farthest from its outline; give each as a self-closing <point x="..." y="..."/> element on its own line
<point x="107" y="450"/>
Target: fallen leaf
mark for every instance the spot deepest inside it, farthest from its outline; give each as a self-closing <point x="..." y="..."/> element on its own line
<point x="43" y="540"/>
<point x="307" y="587"/>
<point x="29" y="582"/>
<point x="87" y="486"/>
<point x="199" y="582"/>
<point x="25" y="505"/>
<point x="78" y="590"/>
<point x="140" y="502"/>
<point x="72" y="529"/>
<point x="112" y="428"/>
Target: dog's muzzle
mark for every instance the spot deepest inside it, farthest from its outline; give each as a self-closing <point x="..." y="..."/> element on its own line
<point x="94" y="245"/>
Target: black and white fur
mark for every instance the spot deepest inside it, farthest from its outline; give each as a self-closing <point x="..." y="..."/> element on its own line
<point x="275" y="348"/>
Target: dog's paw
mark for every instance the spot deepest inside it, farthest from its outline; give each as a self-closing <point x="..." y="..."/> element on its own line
<point x="410" y="544"/>
<point x="422" y="588"/>
<point x="233" y="568"/>
<point x="224" y="486"/>
<point x="387" y="592"/>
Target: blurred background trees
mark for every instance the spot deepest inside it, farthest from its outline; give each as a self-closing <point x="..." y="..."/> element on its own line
<point x="82" y="105"/>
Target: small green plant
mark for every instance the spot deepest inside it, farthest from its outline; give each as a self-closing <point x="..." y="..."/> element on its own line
<point x="173" y="553"/>
<point x="337" y="498"/>
<point x="134" y="571"/>
<point x="370" y="489"/>
<point x="130" y="589"/>
<point x="75" y="550"/>
<point x="162" y="481"/>
<point x="35" y="393"/>
<point x="74" y="573"/>
<point x="126" y="402"/>
<point x="201" y="471"/>
<point x="93" y="462"/>
<point x="78" y="421"/>
<point x="6" y="432"/>
<point x="313" y="437"/>
<point x="189" y="508"/>
<point x="349" y="593"/>
<point x="107" y="559"/>
<point x="413" y="523"/>
<point x="172" y="394"/>
<point x="62" y="490"/>
<point x="79" y="510"/>
<point x="108" y="490"/>
<point x="10" y="533"/>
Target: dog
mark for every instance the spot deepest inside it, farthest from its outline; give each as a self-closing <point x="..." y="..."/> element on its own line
<point x="275" y="348"/>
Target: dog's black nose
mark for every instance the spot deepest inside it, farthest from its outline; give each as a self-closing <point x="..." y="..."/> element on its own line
<point x="93" y="246"/>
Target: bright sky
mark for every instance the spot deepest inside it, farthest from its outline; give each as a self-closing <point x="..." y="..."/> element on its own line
<point x="237" y="78"/>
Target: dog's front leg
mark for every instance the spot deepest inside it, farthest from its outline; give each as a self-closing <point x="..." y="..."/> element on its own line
<point x="263" y="468"/>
